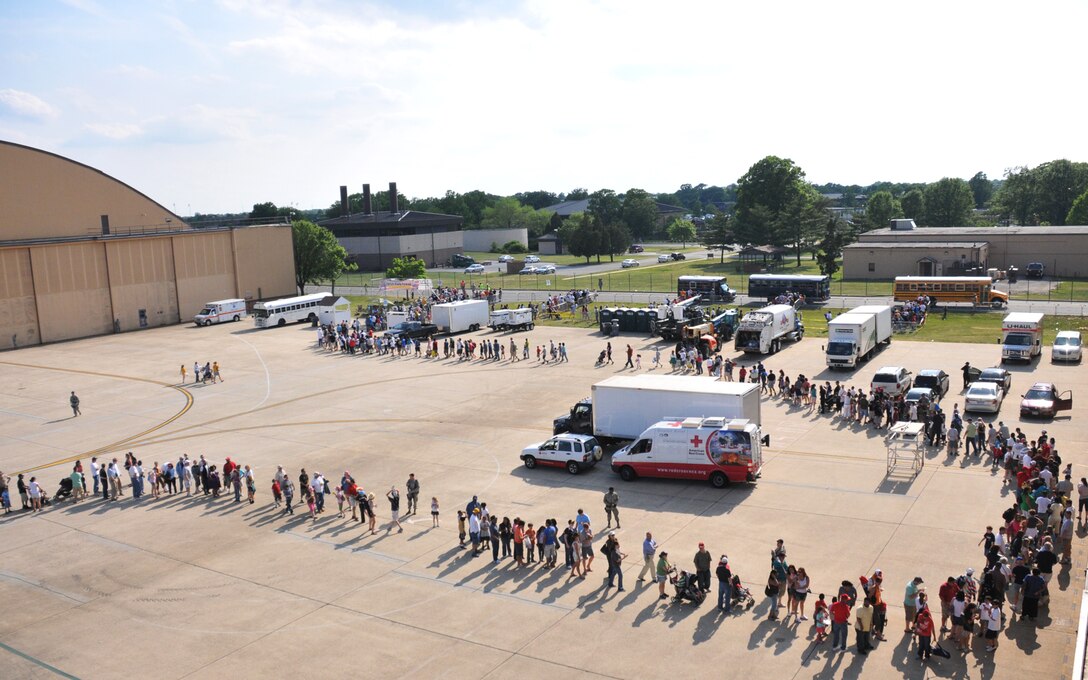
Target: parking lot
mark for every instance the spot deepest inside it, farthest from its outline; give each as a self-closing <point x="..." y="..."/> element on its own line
<point x="93" y="589"/>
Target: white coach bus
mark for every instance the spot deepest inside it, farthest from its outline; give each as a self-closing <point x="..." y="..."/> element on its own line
<point x="287" y="310"/>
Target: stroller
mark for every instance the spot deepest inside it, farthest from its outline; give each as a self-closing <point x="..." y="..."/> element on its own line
<point x="65" y="490"/>
<point x="741" y="595"/>
<point x="687" y="588"/>
<point x="601" y="357"/>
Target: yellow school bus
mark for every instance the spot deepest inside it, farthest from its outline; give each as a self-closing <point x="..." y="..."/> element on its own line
<point x="975" y="290"/>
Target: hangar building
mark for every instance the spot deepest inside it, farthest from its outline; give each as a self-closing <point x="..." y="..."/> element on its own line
<point x="82" y="254"/>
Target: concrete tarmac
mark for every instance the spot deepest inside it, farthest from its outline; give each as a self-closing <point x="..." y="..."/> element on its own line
<point x="190" y="587"/>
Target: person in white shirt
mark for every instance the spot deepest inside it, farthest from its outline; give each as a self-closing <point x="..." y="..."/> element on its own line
<point x="1042" y="505"/>
<point x="993" y="627"/>
<point x="1048" y="477"/>
<point x="94" y="473"/>
<point x="35" y="491"/>
<point x="134" y="479"/>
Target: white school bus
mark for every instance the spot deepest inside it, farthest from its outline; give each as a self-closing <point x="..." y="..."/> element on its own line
<point x="287" y="310"/>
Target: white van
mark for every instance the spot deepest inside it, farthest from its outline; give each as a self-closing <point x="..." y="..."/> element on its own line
<point x="1066" y="347"/>
<point x="220" y="311"/>
<point x="714" y="449"/>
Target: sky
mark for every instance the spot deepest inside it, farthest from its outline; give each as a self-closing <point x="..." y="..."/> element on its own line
<point x="211" y="106"/>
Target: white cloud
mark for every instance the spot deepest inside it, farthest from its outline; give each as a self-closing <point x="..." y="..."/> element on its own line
<point x="115" y="131"/>
<point x="27" y="105"/>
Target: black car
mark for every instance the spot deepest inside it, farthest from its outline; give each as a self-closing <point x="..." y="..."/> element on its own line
<point x="1035" y="270"/>
<point x="412" y="330"/>
<point x="635" y="249"/>
<point x="933" y="378"/>
<point x="997" y="375"/>
<point x="677" y="256"/>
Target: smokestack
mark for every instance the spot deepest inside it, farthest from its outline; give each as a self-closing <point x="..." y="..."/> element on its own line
<point x="393" y="207"/>
<point x="344" y="212"/>
<point x="367" y="207"/>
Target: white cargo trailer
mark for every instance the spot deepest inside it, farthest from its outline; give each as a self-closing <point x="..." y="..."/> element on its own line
<point x="622" y="407"/>
<point x="854" y="336"/>
<point x="460" y="316"/>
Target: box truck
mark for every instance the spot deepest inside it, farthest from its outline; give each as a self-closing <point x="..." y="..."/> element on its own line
<point x="717" y="449"/>
<point x="512" y="319"/>
<point x="854" y="336"/>
<point x="622" y="407"/>
<point x="220" y="311"/>
<point x="1021" y="336"/>
<point x="463" y="315"/>
<point x="762" y="331"/>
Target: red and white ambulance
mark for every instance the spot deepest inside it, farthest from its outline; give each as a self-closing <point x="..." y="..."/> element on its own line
<point x="718" y="450"/>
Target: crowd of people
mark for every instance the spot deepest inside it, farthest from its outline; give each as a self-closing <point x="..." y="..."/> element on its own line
<point x="208" y="373"/>
<point x="1017" y="563"/>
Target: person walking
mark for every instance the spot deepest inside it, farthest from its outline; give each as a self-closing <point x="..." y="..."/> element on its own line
<point x="611" y="507"/>
<point x="183" y="374"/>
<point x="649" y="549"/>
<point x="394" y="507"/>
<point x="74" y="402"/>
<point x="630" y="354"/>
<point x="615" y="563"/>
<point x="412" y="489"/>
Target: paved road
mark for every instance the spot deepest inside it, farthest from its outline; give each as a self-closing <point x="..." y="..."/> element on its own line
<point x="620" y="297"/>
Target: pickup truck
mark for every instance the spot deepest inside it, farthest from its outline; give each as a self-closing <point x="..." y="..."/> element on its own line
<point x="412" y="330"/>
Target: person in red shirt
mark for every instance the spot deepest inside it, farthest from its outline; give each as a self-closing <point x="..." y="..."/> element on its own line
<point x="947" y="593"/>
<point x="923" y="628"/>
<point x="840" y="618"/>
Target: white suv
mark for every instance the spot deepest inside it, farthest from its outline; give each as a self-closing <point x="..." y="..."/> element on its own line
<point x="529" y="259"/>
<point x="891" y="380"/>
<point x="1066" y="347"/>
<point x="575" y="452"/>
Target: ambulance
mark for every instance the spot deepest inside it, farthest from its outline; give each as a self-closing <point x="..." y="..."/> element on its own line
<point x="717" y="449"/>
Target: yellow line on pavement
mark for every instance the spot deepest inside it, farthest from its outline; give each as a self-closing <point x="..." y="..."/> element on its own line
<point x="115" y="445"/>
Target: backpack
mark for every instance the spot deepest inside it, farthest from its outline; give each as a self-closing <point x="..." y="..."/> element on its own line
<point x="606" y="549"/>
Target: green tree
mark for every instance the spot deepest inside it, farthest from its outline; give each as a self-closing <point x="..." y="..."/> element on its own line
<point x="720" y="232"/>
<point x="605" y="206"/>
<point x="318" y="255"/>
<point x="615" y="239"/>
<point x="508" y="213"/>
<point x="881" y="209"/>
<point x="263" y="210"/>
<point x="580" y="236"/>
<point x="836" y="235"/>
<point x="537" y="199"/>
<point x="913" y="204"/>
<point x="406" y="268"/>
<point x="771" y="184"/>
<point x="800" y="220"/>
<point x="1057" y="185"/>
<point x="639" y="213"/>
<point x="948" y="203"/>
<point x="1078" y="214"/>
<point x="981" y="188"/>
<point x="681" y="230"/>
<point x="1014" y="198"/>
<point x="576" y="195"/>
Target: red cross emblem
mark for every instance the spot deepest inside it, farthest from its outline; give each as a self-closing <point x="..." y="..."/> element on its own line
<point x="695" y="441"/>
